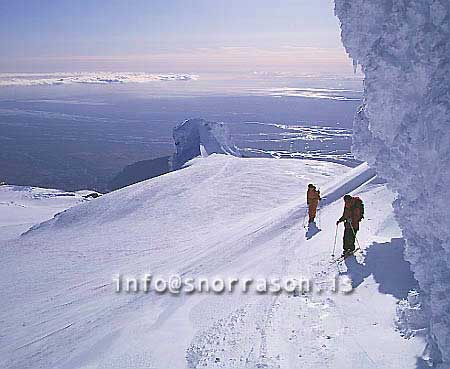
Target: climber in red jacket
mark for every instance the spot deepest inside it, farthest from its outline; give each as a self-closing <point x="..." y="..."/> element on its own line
<point x="312" y="199"/>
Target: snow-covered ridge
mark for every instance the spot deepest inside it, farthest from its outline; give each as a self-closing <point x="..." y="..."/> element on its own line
<point x="23" y="207"/>
<point x="195" y="137"/>
<point x="403" y="130"/>
<point x="97" y="78"/>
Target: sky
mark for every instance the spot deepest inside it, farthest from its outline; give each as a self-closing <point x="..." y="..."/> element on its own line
<point x="178" y="36"/>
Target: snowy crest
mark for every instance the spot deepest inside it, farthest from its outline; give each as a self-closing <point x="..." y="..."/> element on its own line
<point x="403" y="131"/>
<point x="195" y="137"/>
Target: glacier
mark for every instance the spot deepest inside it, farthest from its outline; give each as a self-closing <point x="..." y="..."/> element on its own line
<point x="403" y="131"/>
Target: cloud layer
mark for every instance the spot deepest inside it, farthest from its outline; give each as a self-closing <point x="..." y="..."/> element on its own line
<point x="97" y="78"/>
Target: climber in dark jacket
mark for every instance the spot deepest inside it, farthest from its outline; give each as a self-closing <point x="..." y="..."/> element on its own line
<point x="353" y="213"/>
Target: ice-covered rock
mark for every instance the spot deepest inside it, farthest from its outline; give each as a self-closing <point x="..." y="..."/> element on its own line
<point x="403" y="130"/>
<point x="195" y="137"/>
<point x="411" y="319"/>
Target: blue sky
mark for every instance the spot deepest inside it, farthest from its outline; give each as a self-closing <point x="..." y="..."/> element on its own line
<point x="288" y="36"/>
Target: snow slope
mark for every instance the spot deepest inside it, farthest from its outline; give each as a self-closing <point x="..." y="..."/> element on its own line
<point x="225" y="216"/>
<point x="23" y="207"/>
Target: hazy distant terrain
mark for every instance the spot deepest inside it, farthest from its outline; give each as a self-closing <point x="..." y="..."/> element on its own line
<point x="72" y="138"/>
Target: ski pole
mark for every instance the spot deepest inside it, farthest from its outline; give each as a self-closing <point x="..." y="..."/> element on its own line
<point x="304" y="218"/>
<point x="335" y="240"/>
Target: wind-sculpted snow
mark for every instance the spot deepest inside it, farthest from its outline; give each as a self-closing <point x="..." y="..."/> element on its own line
<point x="403" y="130"/>
<point x="195" y="137"/>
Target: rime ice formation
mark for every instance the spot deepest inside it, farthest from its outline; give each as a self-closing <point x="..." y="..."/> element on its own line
<point x="195" y="137"/>
<point x="403" y="130"/>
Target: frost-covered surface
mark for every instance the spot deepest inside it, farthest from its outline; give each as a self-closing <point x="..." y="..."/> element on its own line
<point x="411" y="318"/>
<point x="195" y="137"/>
<point x="403" y="130"/>
<point x="23" y="207"/>
<point x="221" y="215"/>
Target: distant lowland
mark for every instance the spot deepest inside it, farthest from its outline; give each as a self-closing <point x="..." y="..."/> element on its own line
<point x="103" y="132"/>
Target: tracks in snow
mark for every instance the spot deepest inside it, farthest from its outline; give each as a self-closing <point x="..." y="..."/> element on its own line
<point x="249" y="337"/>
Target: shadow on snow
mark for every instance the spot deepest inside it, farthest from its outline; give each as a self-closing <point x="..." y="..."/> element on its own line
<point x="386" y="263"/>
<point x="312" y="230"/>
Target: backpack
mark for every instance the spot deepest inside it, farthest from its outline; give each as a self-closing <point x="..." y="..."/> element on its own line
<point x="358" y="204"/>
